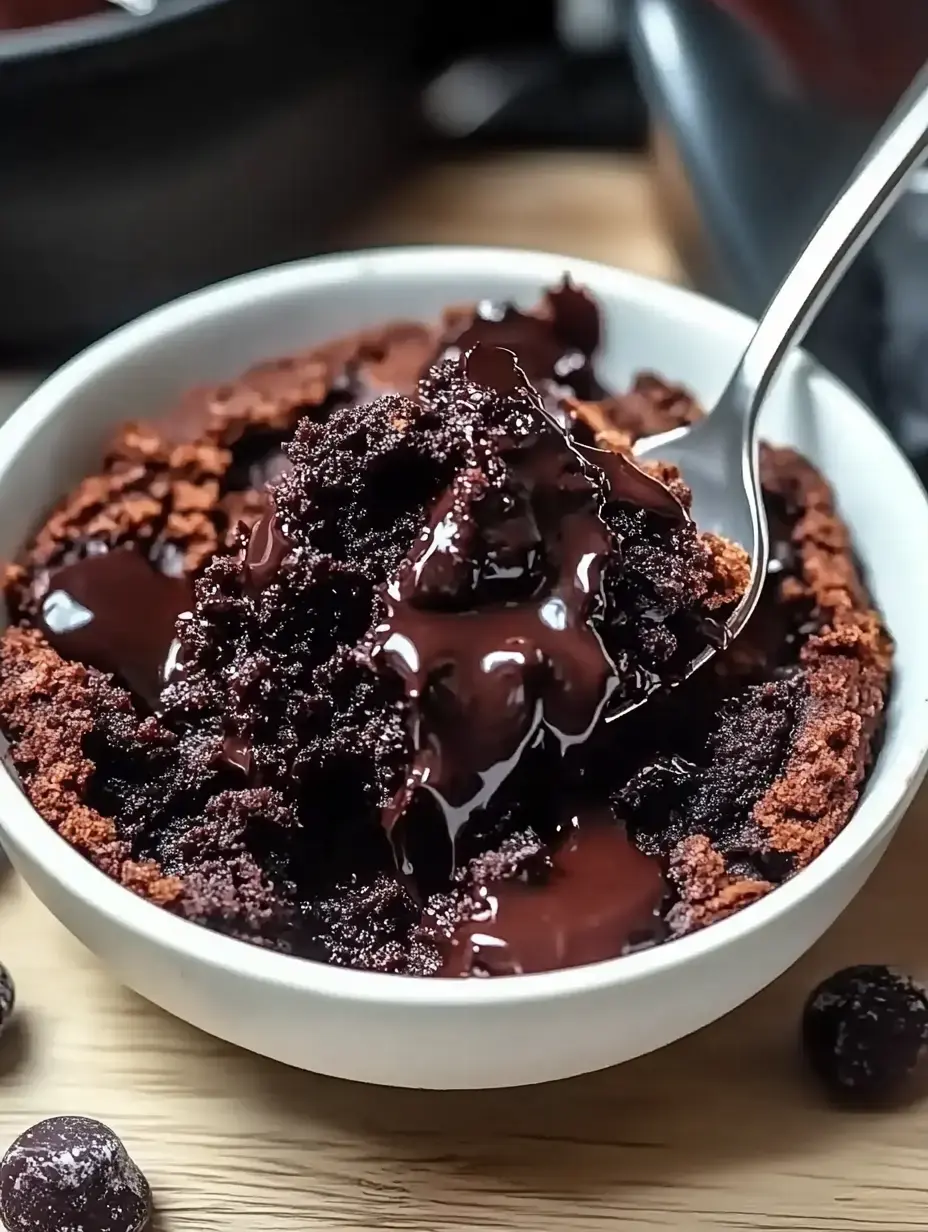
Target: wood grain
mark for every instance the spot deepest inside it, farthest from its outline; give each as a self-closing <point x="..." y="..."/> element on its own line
<point x="600" y="207"/>
<point x="719" y="1131"/>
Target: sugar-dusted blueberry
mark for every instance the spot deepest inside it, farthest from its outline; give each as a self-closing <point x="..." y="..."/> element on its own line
<point x="7" y="997"/>
<point x="864" y="1031"/>
<point x="72" y="1172"/>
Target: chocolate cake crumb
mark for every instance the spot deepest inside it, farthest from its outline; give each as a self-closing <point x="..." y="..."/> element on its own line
<point x="378" y="918"/>
<point x="708" y="890"/>
<point x="846" y="662"/>
<point x="49" y="707"/>
<point x="159" y="499"/>
<point x="270" y="772"/>
<point x="651" y="406"/>
<point x="731" y="570"/>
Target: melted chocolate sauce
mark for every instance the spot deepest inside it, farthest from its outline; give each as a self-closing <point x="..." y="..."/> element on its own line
<point x="265" y="552"/>
<point x="491" y="622"/>
<point x="556" y="346"/>
<point x="629" y="483"/>
<point x="490" y="679"/>
<point x="488" y="683"/>
<point x="236" y="754"/>
<point x="574" y="316"/>
<point x="601" y="898"/>
<point x="113" y="611"/>
<point x="497" y="368"/>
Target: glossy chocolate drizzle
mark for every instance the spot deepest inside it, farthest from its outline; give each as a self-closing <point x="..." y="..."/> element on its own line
<point x="488" y="681"/>
<point x="115" y="612"/>
<point x="265" y="551"/>
<point x="553" y="346"/>
<point x="600" y="898"/>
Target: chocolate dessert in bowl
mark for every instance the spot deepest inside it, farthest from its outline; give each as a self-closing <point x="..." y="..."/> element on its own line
<point x="315" y="675"/>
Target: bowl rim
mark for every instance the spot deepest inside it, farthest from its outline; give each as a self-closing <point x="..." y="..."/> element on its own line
<point x="61" y="863"/>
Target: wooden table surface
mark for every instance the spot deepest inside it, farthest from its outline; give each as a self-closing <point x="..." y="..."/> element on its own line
<point x="718" y="1131"/>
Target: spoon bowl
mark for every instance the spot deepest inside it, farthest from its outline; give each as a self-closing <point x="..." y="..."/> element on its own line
<point x="138" y="8"/>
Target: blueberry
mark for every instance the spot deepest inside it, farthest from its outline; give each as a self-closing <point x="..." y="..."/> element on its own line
<point x="864" y="1031"/>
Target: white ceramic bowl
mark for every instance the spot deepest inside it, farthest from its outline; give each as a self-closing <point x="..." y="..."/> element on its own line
<point x="437" y="1033"/>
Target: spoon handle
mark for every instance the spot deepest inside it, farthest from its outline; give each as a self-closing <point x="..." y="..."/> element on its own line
<point x="873" y="188"/>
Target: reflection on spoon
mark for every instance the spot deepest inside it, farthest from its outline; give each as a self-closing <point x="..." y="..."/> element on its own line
<point x="139" y="8"/>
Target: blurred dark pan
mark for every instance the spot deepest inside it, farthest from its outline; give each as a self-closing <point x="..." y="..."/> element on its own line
<point x="146" y="156"/>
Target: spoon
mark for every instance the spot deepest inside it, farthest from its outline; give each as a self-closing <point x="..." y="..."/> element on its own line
<point x="718" y="455"/>
<point x="138" y="8"/>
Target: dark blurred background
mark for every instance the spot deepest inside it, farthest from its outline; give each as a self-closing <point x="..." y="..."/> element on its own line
<point x="145" y="156"/>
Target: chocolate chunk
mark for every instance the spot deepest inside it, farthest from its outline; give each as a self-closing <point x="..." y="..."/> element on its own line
<point x="72" y="1172"/>
<point x="864" y="1032"/>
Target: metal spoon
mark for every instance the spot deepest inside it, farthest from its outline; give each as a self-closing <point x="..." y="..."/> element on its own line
<point x="138" y="8"/>
<point x="718" y="456"/>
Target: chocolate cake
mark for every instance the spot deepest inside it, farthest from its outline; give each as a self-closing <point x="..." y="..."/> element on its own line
<point x="346" y="658"/>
